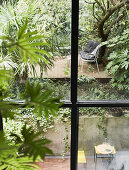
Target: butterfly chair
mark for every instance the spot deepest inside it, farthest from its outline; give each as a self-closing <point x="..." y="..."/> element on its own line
<point x="90" y="56"/>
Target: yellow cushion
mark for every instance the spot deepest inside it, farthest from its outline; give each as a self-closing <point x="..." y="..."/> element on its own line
<point x="81" y="157"/>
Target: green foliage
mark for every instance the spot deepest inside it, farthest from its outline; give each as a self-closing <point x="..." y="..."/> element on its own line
<point x="67" y="147"/>
<point x="13" y="162"/>
<point x="55" y="23"/>
<point x="10" y="159"/>
<point x="85" y="79"/>
<point x="42" y="102"/>
<point x="27" y="47"/>
<point x="21" y="39"/>
<point x="32" y="145"/>
<point x="25" y="43"/>
<point x="87" y="30"/>
<point x="5" y="75"/>
<point x="118" y="65"/>
<point x="22" y="47"/>
<point x="67" y="71"/>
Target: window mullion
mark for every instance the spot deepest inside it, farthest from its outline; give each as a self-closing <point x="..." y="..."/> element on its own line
<point x="74" y="73"/>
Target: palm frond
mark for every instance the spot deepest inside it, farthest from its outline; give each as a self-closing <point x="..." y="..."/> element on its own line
<point x="6" y="62"/>
<point x="7" y="14"/>
<point x="28" y="46"/>
<point x="15" y="163"/>
<point x="7" y="109"/>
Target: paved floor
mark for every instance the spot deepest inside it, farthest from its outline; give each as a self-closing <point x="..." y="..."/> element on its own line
<point x="120" y="162"/>
<point x="62" y="66"/>
<point x="64" y="164"/>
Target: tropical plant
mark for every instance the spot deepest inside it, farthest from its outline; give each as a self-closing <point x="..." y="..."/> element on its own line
<point x="16" y="29"/>
<point x="30" y="143"/>
<point x="26" y="51"/>
<point x="22" y="46"/>
<point x="118" y="65"/>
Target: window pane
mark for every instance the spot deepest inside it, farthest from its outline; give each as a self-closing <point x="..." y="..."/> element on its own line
<point x="56" y="129"/>
<point x="103" y="52"/>
<point x="54" y="22"/>
<point x="103" y="138"/>
<point x="41" y="53"/>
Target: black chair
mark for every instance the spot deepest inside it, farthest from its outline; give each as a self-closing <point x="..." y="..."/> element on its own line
<point x="90" y="54"/>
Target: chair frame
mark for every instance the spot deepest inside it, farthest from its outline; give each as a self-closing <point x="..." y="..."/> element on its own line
<point x="95" y="54"/>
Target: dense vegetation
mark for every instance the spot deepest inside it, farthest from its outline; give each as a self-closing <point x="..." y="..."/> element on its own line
<point x="33" y="32"/>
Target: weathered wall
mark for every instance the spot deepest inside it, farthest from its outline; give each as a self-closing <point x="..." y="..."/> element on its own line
<point x="57" y="136"/>
<point x="90" y="135"/>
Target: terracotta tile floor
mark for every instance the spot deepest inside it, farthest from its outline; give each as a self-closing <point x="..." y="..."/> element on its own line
<point x="55" y="164"/>
<point x="120" y="162"/>
<point x="64" y="164"/>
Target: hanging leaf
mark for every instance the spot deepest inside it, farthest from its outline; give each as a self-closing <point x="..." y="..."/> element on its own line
<point x="10" y="159"/>
<point x="41" y="101"/>
<point x="32" y="144"/>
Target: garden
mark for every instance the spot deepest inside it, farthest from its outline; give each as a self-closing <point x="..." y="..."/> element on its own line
<point x="34" y="33"/>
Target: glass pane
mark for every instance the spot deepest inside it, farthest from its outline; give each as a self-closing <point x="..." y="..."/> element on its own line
<point x="56" y="129"/>
<point x="35" y="49"/>
<point x="103" y="138"/>
<point x="54" y="23"/>
<point x="103" y="52"/>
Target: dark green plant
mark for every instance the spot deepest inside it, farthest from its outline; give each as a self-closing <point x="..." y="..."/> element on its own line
<point x="118" y="65"/>
<point x="31" y="143"/>
<point x="43" y="104"/>
<point x="34" y="97"/>
<point x="10" y="159"/>
<point x="41" y="101"/>
<point x="108" y="17"/>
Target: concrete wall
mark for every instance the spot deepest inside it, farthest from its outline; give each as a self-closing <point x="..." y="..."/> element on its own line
<point x="57" y="136"/>
<point x="90" y="135"/>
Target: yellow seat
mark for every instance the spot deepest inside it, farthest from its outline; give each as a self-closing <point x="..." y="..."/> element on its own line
<point x="81" y="157"/>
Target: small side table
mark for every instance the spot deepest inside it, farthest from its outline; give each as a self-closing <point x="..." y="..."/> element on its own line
<point x="103" y="151"/>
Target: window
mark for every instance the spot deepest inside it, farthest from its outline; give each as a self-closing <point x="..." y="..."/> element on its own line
<point x="74" y="103"/>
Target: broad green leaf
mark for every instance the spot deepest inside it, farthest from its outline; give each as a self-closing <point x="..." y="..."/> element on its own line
<point x="32" y="144"/>
<point x="41" y="101"/>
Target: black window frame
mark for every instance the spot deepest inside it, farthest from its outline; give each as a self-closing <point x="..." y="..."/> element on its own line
<point x="73" y="103"/>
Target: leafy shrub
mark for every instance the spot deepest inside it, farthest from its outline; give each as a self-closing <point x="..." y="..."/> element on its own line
<point x="118" y="65"/>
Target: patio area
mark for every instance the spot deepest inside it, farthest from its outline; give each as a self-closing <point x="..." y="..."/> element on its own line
<point x="61" y="69"/>
<point x="120" y="162"/>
